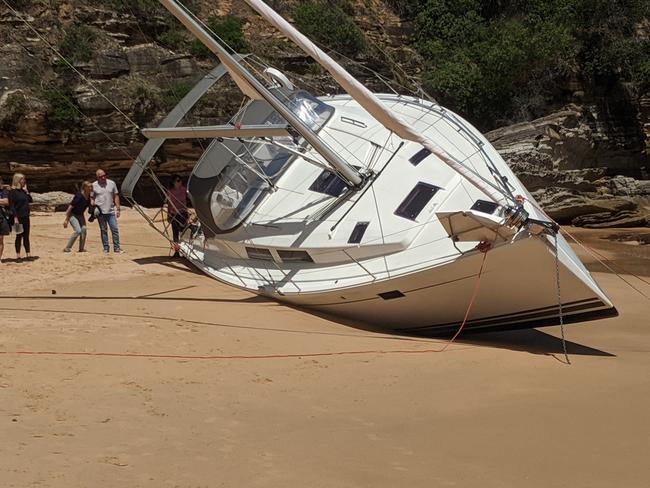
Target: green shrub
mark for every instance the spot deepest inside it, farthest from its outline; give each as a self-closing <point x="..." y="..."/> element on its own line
<point x="175" y="93"/>
<point x="328" y="24"/>
<point x="77" y="45"/>
<point x="495" y="59"/>
<point x="136" y="6"/>
<point x="63" y="113"/>
<point x="144" y="99"/>
<point x="13" y="109"/>
<point x="173" y="39"/>
<point x="228" y="31"/>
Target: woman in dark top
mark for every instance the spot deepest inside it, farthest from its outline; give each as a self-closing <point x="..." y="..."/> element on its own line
<point x="5" y="225"/>
<point x="19" y="200"/>
<point x="75" y="216"/>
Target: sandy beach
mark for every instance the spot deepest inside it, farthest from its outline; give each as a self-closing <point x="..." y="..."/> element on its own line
<point x="138" y="371"/>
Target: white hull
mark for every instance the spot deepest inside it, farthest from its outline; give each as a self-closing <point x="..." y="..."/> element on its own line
<point x="517" y="289"/>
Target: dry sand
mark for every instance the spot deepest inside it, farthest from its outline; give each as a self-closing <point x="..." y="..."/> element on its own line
<point x="495" y="410"/>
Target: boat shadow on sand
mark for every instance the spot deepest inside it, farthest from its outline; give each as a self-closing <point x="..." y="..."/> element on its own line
<point x="177" y="264"/>
<point x="533" y="341"/>
<point x="530" y="340"/>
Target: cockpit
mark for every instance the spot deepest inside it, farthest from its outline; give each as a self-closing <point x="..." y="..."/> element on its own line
<point x="233" y="175"/>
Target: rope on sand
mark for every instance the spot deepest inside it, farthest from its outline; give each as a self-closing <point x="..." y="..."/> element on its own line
<point x="484" y="250"/>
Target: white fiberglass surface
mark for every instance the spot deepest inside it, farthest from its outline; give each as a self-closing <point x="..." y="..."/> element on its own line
<point x="255" y="165"/>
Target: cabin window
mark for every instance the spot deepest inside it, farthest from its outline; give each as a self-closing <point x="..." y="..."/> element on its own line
<point x="358" y="232"/>
<point x="259" y="253"/>
<point x="485" y="206"/>
<point x="413" y="204"/>
<point x="329" y="184"/>
<point x="419" y="156"/>
<point x="295" y="256"/>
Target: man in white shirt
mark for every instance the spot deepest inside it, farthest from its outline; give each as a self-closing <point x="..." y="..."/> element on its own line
<point x="106" y="199"/>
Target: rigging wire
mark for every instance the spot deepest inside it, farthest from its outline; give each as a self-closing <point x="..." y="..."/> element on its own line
<point x="593" y="252"/>
<point x="76" y="108"/>
<point x="63" y="58"/>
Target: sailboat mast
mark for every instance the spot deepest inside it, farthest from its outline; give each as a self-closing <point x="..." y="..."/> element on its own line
<point x="243" y="77"/>
<point x="370" y="102"/>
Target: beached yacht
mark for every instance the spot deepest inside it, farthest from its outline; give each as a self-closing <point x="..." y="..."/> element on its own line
<point x="383" y="208"/>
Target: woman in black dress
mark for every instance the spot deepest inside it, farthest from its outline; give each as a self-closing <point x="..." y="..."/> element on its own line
<point x="19" y="200"/>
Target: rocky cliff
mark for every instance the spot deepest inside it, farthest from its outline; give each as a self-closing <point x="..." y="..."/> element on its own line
<point x="587" y="164"/>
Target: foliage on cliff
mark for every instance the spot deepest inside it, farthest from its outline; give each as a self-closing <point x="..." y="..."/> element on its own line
<point x="512" y="59"/>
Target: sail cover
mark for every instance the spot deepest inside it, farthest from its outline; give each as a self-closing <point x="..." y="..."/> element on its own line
<point x="367" y="99"/>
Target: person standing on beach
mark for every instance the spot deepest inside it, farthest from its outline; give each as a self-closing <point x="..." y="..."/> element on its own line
<point x="75" y="216"/>
<point x="5" y="224"/>
<point x="177" y="209"/>
<point x="106" y="200"/>
<point x="19" y="200"/>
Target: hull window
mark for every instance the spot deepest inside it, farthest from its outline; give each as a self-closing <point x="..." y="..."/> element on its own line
<point x="295" y="256"/>
<point x="416" y="200"/>
<point x="358" y="232"/>
<point x="389" y="295"/>
<point x="259" y="253"/>
<point x="419" y="156"/>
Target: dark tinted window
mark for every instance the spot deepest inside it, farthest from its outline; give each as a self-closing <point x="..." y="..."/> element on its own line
<point x="419" y="156"/>
<point x="292" y="256"/>
<point x="358" y="232"/>
<point x="485" y="206"/>
<point x="328" y="183"/>
<point x="416" y="201"/>
<point x="259" y="253"/>
<point x="389" y="295"/>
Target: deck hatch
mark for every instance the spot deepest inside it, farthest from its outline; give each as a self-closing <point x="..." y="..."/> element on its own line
<point x="358" y="232"/>
<point x="329" y="184"/>
<point x="259" y="253"/>
<point x="295" y="256"/>
<point x="485" y="206"/>
<point x="416" y="200"/>
<point x="419" y="156"/>
<point x="389" y="295"/>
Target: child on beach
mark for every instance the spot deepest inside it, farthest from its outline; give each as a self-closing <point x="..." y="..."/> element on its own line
<point x="75" y="216"/>
<point x="19" y="200"/>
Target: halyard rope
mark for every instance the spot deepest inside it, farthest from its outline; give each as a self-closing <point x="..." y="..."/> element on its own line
<point x="559" y="296"/>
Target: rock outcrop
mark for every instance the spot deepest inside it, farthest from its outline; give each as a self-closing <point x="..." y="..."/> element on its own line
<point x="583" y="169"/>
